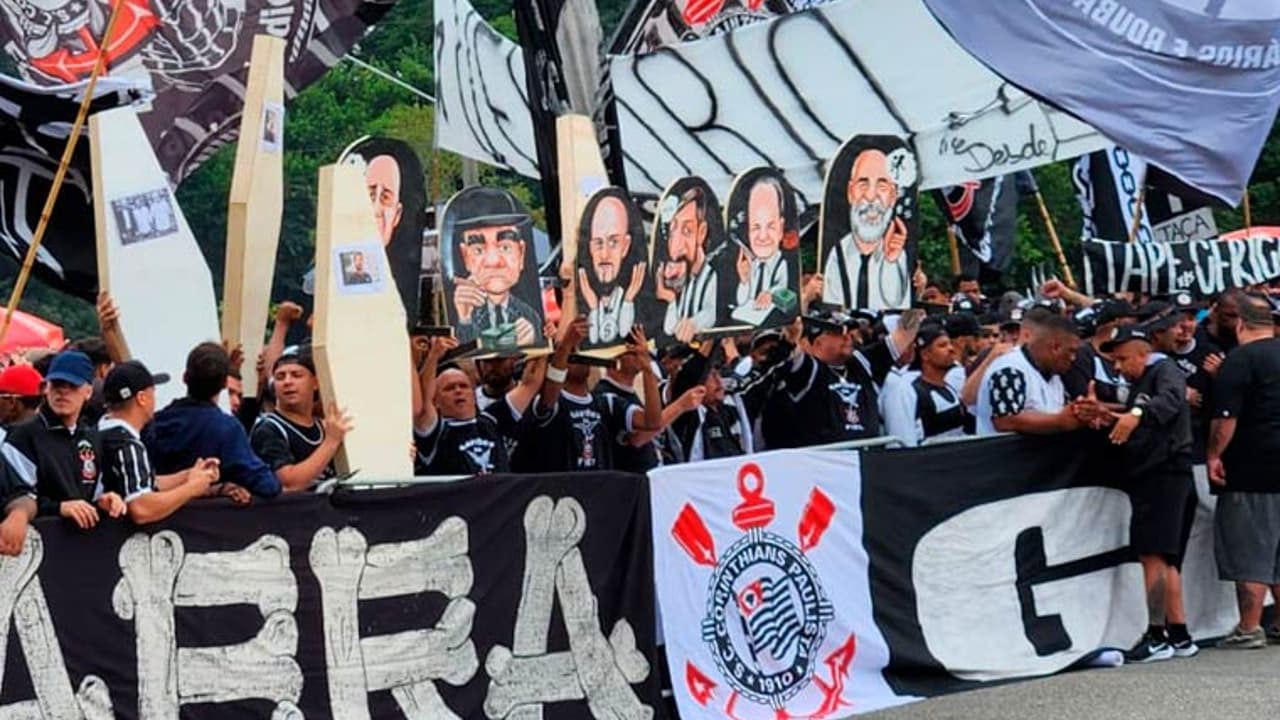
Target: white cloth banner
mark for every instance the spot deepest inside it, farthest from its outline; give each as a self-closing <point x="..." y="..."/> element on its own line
<point x="763" y="588"/>
<point x="482" y="109"/>
<point x="787" y="93"/>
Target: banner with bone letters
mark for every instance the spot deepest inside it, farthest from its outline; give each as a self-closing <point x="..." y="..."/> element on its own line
<point x="490" y="598"/>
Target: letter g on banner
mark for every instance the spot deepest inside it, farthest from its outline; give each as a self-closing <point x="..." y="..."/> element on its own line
<point x="1028" y="585"/>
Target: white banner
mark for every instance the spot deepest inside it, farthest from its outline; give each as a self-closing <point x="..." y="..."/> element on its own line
<point x="763" y="588"/>
<point x="788" y="92"/>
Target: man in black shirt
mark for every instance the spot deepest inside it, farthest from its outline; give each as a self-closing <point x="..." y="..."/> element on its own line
<point x="298" y="447"/>
<point x="1219" y="328"/>
<point x="1155" y="434"/>
<point x="1176" y="337"/>
<point x="451" y="435"/>
<point x="634" y="423"/>
<point x="827" y="391"/>
<point x="922" y="404"/>
<point x="1097" y="323"/>
<point x="1244" y="442"/>
<point x="130" y="395"/>
<point x="56" y="454"/>
<point x="716" y="423"/>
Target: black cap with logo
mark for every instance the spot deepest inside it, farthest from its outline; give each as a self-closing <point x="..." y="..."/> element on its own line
<point x="127" y="379"/>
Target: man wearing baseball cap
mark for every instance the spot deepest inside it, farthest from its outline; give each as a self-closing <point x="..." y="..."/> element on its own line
<point x="1154" y="432"/>
<point x="297" y="446"/>
<point x="19" y="395"/>
<point x="129" y="391"/>
<point x="55" y="453"/>
<point x="924" y="404"/>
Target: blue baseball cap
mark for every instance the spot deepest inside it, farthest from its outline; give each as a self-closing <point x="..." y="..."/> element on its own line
<point x="72" y="367"/>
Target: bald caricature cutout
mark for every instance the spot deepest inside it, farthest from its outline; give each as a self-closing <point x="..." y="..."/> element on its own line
<point x="869" y="224"/>
<point x="612" y="259"/>
<point x="761" y="222"/>
<point x="397" y="193"/>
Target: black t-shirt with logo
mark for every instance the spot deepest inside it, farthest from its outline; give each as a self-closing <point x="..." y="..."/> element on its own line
<point x="59" y="463"/>
<point x="573" y="435"/>
<point x="279" y="442"/>
<point x="1191" y="363"/>
<point x="1248" y="389"/>
<point x="620" y="406"/>
<point x="818" y="404"/>
<point x="468" y="447"/>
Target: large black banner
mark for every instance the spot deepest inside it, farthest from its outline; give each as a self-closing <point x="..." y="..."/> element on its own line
<point x="491" y="598"/>
<point x="1203" y="268"/>
<point x="1014" y="555"/>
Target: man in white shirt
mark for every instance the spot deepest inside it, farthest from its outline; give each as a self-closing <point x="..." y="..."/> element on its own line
<point x="868" y="268"/>
<point x="763" y="271"/>
<point x="921" y="403"/>
<point x="686" y="282"/>
<point x="1022" y="391"/>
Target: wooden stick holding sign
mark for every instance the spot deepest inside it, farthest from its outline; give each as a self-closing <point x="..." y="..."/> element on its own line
<point x="581" y="174"/>
<point x="148" y="259"/>
<point x="59" y="177"/>
<point x="954" y="246"/>
<point x="360" y="345"/>
<point x="1053" y="238"/>
<point x="256" y="205"/>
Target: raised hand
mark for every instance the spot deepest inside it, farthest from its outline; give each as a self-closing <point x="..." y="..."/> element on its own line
<point x="467" y="296"/>
<point x="589" y="295"/>
<point x="337" y="423"/>
<point x="744" y="267"/>
<point x="637" y="281"/>
<point x="108" y="312"/>
<point x="895" y="241"/>
<point x="288" y="312"/>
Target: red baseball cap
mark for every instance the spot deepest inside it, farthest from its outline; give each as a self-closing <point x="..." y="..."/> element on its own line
<point x="21" y="380"/>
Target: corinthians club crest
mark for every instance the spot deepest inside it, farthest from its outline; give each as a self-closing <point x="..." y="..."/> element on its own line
<point x="767" y="612"/>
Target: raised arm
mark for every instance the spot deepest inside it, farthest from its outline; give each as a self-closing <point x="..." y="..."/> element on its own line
<point x="109" y="324"/>
<point x="427" y="416"/>
<point x="522" y="395"/>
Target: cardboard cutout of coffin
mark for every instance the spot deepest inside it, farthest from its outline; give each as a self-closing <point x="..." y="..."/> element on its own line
<point x="611" y="275"/>
<point x="492" y="296"/>
<point x="869" y="224"/>
<point x="693" y="263"/>
<point x="760" y="218"/>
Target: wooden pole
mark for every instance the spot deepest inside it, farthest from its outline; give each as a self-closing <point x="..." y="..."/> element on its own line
<point x="955" y="249"/>
<point x="61" y="175"/>
<point x="1248" y="214"/>
<point x="1057" y="243"/>
<point x="1137" y="211"/>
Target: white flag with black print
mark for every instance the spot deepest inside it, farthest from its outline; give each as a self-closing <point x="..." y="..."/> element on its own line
<point x="763" y="588"/>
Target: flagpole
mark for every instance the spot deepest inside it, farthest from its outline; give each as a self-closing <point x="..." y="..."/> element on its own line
<point x="1053" y="238"/>
<point x="1248" y="214"/>
<point x="1137" y="211"/>
<point x="955" y="250"/>
<point x="72" y="141"/>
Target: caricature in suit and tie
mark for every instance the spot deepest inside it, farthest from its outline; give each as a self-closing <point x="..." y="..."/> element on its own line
<point x="685" y="245"/>
<point x="612" y="255"/>
<point x="491" y="236"/>
<point x="762" y="224"/>
<point x="869" y="223"/>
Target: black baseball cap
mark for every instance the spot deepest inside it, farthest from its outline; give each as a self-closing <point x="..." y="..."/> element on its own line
<point x="1124" y="334"/>
<point x="127" y="379"/>
<point x="962" y="324"/>
<point x="928" y="333"/>
<point x="819" y="321"/>
<point x="296" y="355"/>
<point x="1109" y="311"/>
<point x="1011" y="318"/>
<point x="1184" y="302"/>
<point x="1152" y="310"/>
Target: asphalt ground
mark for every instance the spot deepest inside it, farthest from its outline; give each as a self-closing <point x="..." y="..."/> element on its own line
<point x="1213" y="684"/>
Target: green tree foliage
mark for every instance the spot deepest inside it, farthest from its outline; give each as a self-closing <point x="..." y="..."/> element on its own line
<point x="350" y="102"/>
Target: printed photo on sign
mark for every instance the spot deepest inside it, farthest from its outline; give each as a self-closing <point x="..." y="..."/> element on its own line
<point x="691" y="261"/>
<point x="612" y="259"/>
<point x="272" y="127"/>
<point x="145" y="216"/>
<point x="760" y="218"/>
<point x="869" y="223"/>
<point x="397" y="190"/>
<point x="491" y="288"/>
<point x="359" y="269"/>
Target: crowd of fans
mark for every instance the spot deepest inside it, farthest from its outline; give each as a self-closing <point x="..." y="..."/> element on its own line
<point x="1180" y="386"/>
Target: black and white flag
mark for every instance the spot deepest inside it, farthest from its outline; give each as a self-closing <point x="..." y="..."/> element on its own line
<point x="985" y="217"/>
<point x="34" y="124"/>
<point x="1203" y="268"/>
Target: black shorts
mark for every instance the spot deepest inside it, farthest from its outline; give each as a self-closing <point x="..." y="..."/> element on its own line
<point x="1163" y="508"/>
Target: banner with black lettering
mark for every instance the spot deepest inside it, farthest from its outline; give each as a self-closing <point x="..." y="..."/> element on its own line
<point x="1203" y="268"/>
<point x="488" y="598"/>
<point x="824" y="583"/>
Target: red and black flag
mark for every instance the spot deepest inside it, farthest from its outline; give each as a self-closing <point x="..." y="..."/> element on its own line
<point x="985" y="218"/>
